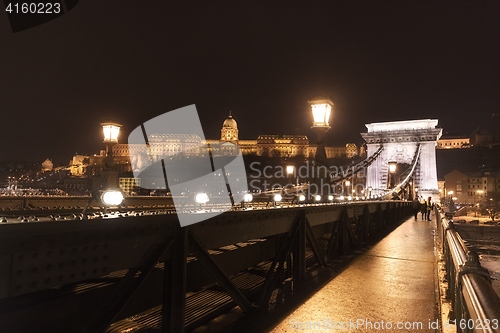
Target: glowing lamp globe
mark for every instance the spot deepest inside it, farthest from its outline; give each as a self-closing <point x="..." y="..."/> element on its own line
<point x="201" y="198"/>
<point x="392" y="166"/>
<point x="112" y="198"/>
<point x="247" y="197"/>
<point x="321" y="109"/>
<point x="111" y="131"/>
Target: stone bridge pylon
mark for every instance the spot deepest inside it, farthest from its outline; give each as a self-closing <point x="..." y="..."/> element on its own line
<point x="400" y="140"/>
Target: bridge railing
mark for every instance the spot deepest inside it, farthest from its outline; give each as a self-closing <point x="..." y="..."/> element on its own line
<point x="475" y="305"/>
<point x="127" y="272"/>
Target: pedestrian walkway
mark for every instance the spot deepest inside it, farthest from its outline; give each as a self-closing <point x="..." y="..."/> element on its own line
<point x="390" y="287"/>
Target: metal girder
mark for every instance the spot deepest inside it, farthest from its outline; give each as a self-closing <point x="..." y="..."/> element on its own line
<point x="350" y="233"/>
<point x="341" y="235"/>
<point x="211" y="265"/>
<point x="364" y="225"/>
<point x="122" y="293"/>
<point x="378" y="220"/>
<point x="44" y="255"/>
<point x="299" y="251"/>
<point x="281" y="255"/>
<point x="333" y="241"/>
<point x="174" y="284"/>
<point x="318" y="251"/>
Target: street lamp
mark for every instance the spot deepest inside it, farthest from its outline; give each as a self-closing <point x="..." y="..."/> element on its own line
<point x="201" y="198"/>
<point x="247" y="198"/>
<point x="479" y="192"/>
<point x="108" y="178"/>
<point x="277" y="198"/>
<point x="112" y="198"/>
<point x="347" y="184"/>
<point x="110" y="130"/>
<point x="321" y="109"/>
<point x="451" y="205"/>
<point x="290" y="169"/>
<point x="392" y="171"/>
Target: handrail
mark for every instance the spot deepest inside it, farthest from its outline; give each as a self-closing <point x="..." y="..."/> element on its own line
<point x="476" y="306"/>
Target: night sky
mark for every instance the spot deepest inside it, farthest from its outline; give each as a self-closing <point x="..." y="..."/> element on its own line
<point x="132" y="60"/>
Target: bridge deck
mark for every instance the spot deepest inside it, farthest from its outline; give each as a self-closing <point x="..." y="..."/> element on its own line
<point x="394" y="281"/>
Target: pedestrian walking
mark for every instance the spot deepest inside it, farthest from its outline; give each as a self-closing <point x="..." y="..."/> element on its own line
<point x="415" y="205"/>
<point x="429" y="207"/>
<point x="423" y="207"/>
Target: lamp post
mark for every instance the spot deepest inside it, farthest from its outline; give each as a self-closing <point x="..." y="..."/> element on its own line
<point x="321" y="109"/>
<point x="111" y="130"/>
<point x="479" y="192"/>
<point x="247" y="198"/>
<point x="450" y="196"/>
<point x="392" y="171"/>
<point x="290" y="169"/>
<point x="347" y="184"/>
<point x="105" y="186"/>
<point x="108" y="179"/>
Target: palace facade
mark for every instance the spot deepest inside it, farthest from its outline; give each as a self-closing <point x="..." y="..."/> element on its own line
<point x="161" y="145"/>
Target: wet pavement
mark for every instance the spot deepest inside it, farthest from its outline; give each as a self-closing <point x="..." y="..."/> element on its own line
<point x="390" y="287"/>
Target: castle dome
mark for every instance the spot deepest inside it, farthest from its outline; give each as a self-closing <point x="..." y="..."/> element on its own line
<point x="230" y="122"/>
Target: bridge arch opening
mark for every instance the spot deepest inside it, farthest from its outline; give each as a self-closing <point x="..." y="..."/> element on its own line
<point x="410" y="142"/>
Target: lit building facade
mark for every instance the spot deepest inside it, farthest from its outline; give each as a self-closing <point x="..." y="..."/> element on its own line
<point x="161" y="145"/>
<point x="452" y="142"/>
<point x="47" y="165"/>
<point x="189" y="145"/>
<point x="471" y="187"/>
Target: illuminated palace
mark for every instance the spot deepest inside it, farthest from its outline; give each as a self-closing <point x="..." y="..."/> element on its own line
<point x="173" y="144"/>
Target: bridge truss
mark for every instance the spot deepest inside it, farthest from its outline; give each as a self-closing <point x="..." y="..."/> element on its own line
<point x="146" y="272"/>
